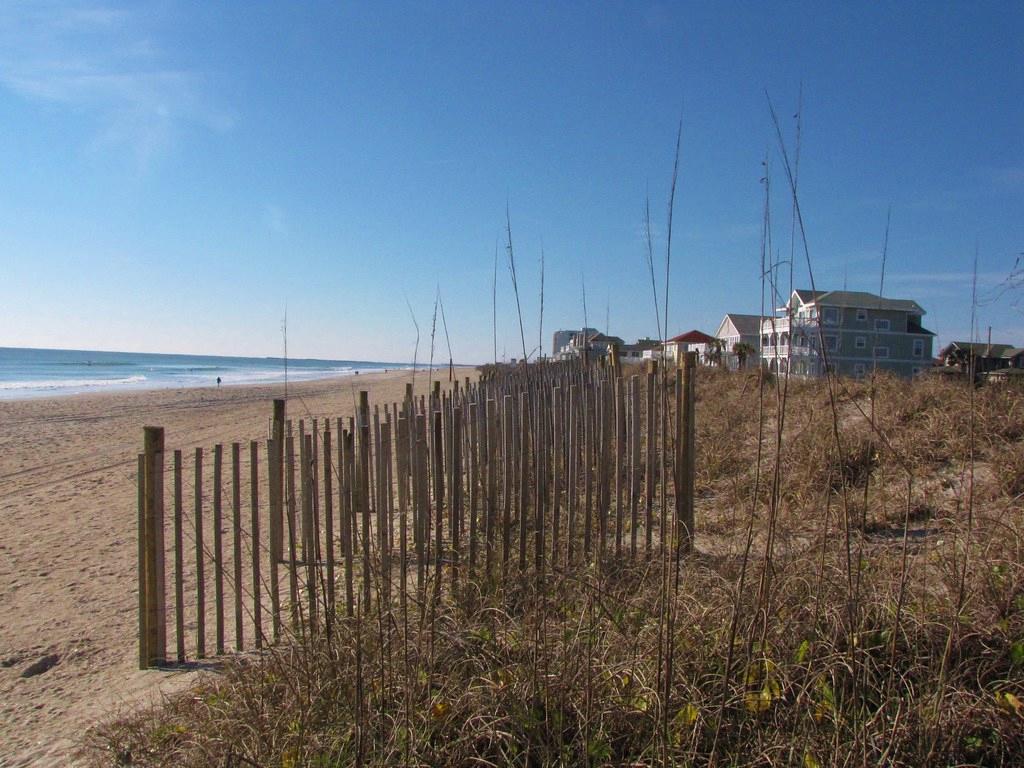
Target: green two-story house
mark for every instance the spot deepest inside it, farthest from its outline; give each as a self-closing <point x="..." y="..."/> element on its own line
<point x="853" y="332"/>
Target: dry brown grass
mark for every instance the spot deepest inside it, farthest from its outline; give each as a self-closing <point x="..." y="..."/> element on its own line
<point x="863" y="656"/>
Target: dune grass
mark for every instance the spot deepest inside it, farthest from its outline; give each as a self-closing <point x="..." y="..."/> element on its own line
<point x="881" y="619"/>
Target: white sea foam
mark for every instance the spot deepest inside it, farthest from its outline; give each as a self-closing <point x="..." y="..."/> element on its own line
<point x="31" y="385"/>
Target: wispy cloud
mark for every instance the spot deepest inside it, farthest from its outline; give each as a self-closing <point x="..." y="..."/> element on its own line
<point x="100" y="62"/>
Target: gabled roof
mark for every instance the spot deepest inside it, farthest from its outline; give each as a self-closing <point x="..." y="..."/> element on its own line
<point x="808" y="297"/>
<point x="604" y="339"/>
<point x="691" y="337"/>
<point x="745" y="325"/>
<point x="858" y="300"/>
<point x="865" y="300"/>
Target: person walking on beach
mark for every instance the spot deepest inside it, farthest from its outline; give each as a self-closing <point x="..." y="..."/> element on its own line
<point x="218" y="382"/>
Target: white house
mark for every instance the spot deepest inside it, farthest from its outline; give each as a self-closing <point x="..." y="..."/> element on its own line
<point x="691" y="341"/>
<point x="740" y="329"/>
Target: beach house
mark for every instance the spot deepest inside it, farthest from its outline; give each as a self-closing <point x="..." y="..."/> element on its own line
<point x="851" y="332"/>
<point x="985" y="356"/>
<point x="640" y="349"/>
<point x="691" y="341"/>
<point x="735" y="330"/>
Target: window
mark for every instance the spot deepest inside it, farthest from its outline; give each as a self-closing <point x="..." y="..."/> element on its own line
<point x="858" y="370"/>
<point x="881" y="324"/>
<point x="860" y="342"/>
<point x="830" y="315"/>
<point x="881" y="352"/>
<point x="862" y="315"/>
<point x="831" y="343"/>
<point x="918" y="347"/>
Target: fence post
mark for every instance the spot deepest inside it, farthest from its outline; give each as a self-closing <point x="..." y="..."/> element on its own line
<point x="236" y="529"/>
<point x="143" y="603"/>
<point x="364" y="488"/>
<point x="218" y="545"/>
<point x="275" y="488"/>
<point x="179" y="555"/>
<point x="651" y="474"/>
<point x="688" y="451"/>
<point x="200" y="559"/>
<point x="254" y="501"/>
<point x="153" y="637"/>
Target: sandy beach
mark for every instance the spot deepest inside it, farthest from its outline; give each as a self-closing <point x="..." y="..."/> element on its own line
<point x="68" y="594"/>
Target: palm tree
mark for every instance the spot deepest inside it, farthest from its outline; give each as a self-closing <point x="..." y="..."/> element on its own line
<point x="743" y="352"/>
<point x="713" y="352"/>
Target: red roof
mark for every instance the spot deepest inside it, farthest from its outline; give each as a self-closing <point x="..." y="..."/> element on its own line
<point x="692" y="337"/>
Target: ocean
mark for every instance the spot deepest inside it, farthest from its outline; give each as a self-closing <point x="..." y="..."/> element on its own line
<point x="49" y="372"/>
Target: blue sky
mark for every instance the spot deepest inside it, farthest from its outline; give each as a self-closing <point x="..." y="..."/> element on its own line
<point x="172" y="175"/>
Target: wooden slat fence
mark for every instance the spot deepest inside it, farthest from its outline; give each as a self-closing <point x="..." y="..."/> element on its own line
<point x="530" y="473"/>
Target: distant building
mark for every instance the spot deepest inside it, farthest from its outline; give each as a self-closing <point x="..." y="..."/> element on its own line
<point x="562" y="339"/>
<point x="600" y="344"/>
<point x="589" y="342"/>
<point x="859" y="331"/>
<point x="640" y="349"/>
<point x="986" y="356"/>
<point x="691" y="341"/>
<point x="740" y="329"/>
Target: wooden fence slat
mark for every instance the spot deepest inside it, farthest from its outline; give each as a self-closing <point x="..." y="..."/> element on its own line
<point x="557" y="433"/>
<point x="254" y="532"/>
<point x="524" y="475"/>
<point x="507" y="484"/>
<point x="274" y="477"/>
<point x="143" y="602"/>
<point x="572" y="470"/>
<point x="179" y="564"/>
<point x="293" y="576"/>
<point x="236" y="510"/>
<point x="588" y="463"/>
<point x="633" y="443"/>
<point x="384" y="462"/>
<point x="329" y="525"/>
<point x="422" y="508"/>
<point x="218" y="545"/>
<point x="474" y="468"/>
<point x="363" y="489"/>
<point x="688" y="450"/>
<point x="275" y="485"/>
<point x="403" y="510"/>
<point x="309" y="550"/>
<point x="439" y="500"/>
<point x="200" y="559"/>
<point x="456" y="488"/>
<point x="346" y="512"/>
<point x="620" y="461"/>
<point x="651" y="477"/>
